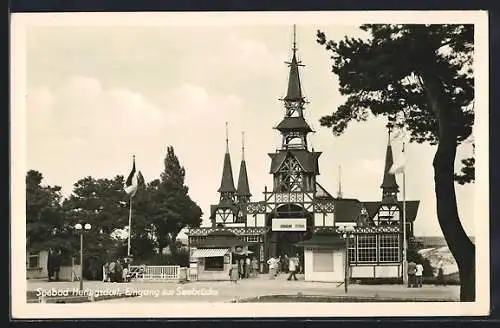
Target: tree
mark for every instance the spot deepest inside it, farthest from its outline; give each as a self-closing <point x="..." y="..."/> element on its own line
<point x="100" y="202"/>
<point x="421" y="78"/>
<point x="44" y="218"/>
<point x="173" y="209"/>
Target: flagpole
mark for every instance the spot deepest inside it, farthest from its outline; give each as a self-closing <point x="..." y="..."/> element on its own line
<point x="129" y="227"/>
<point x="405" y="244"/>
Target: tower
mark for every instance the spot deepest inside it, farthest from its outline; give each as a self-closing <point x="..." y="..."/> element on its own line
<point x="294" y="167"/>
<point x="389" y="186"/>
<point x="226" y="189"/>
<point x="243" y="190"/>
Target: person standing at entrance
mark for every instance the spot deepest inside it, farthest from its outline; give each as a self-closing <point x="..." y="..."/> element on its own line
<point x="292" y="267"/>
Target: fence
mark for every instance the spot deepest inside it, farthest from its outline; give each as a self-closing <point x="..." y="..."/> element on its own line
<point x="155" y="272"/>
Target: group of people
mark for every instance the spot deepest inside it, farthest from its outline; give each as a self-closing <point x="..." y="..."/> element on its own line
<point x="116" y="271"/>
<point x="244" y="268"/>
<point x="415" y="274"/>
<point x="289" y="265"/>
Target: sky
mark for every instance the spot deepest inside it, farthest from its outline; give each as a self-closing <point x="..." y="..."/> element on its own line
<point x="96" y="95"/>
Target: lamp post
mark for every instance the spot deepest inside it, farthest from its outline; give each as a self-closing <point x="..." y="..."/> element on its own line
<point x="347" y="233"/>
<point x="80" y="231"/>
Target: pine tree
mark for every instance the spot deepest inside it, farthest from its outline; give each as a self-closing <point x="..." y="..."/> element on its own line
<point x="174" y="209"/>
<point x="421" y="78"/>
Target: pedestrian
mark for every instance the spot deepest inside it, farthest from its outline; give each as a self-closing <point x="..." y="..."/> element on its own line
<point x="277" y="266"/>
<point x="247" y="267"/>
<point x="234" y="273"/>
<point x="292" y="267"/>
<point x="272" y="267"/>
<point x="412" y="269"/>
<point x="112" y="271"/>
<point x="105" y="272"/>
<point x="419" y="272"/>
<point x="255" y="267"/>
<point x="241" y="268"/>
<point x="299" y="266"/>
<point x="118" y="271"/>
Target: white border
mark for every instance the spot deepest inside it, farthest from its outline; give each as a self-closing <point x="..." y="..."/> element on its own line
<point x="20" y="309"/>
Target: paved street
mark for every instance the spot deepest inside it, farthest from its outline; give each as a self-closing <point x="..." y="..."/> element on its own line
<point x="225" y="291"/>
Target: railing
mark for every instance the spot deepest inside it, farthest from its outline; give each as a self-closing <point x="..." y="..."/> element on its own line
<point x="155" y="272"/>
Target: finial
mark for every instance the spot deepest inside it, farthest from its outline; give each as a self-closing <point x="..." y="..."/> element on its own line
<point x="389" y="130"/>
<point x="227" y="140"/>
<point x="339" y="192"/>
<point x="294" y="39"/>
<point x="243" y="145"/>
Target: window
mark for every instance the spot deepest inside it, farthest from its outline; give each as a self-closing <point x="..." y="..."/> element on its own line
<point x="322" y="260"/>
<point x="367" y="248"/>
<point x="214" y="263"/>
<point x="389" y="248"/>
<point x="33" y="261"/>
<point x="252" y="239"/>
<point x="388" y="215"/>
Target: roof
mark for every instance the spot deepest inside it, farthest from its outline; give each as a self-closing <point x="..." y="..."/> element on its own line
<point x="294" y="124"/>
<point x="324" y="240"/>
<point x="227" y="181"/>
<point x="243" y="188"/>
<point x="389" y="181"/>
<point x="347" y="210"/>
<point x="210" y="252"/>
<point x="223" y="204"/>
<point x="221" y="238"/>
<point x="307" y="160"/>
<point x="411" y="208"/>
<point x="321" y="192"/>
<point x="294" y="91"/>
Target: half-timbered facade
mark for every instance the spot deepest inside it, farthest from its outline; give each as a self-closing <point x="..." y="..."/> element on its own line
<point x="297" y="206"/>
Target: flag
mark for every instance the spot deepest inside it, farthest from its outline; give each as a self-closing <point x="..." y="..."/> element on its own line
<point x="399" y="165"/>
<point x="132" y="181"/>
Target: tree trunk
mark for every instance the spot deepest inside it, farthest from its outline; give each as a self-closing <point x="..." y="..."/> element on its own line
<point x="461" y="247"/>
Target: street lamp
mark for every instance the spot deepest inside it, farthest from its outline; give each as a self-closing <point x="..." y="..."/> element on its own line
<point x="80" y="231"/>
<point x="347" y="234"/>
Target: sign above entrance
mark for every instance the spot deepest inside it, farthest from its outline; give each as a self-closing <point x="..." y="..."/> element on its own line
<point x="289" y="224"/>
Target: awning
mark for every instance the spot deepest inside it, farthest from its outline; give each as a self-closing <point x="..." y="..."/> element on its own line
<point x="210" y="252"/>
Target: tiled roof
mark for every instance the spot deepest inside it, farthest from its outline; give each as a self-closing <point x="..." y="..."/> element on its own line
<point x="307" y="160"/>
<point x="227" y="181"/>
<point x="294" y="91"/>
<point x="323" y="240"/>
<point x="389" y="181"/>
<point x="243" y="188"/>
<point x="411" y="208"/>
<point x="347" y="210"/>
<point x="293" y="124"/>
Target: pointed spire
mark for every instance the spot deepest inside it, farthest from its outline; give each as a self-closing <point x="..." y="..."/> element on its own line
<point x="389" y="185"/>
<point x="294" y="88"/>
<point x="243" y="190"/>
<point x="339" y="192"/>
<point x="227" y="181"/>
